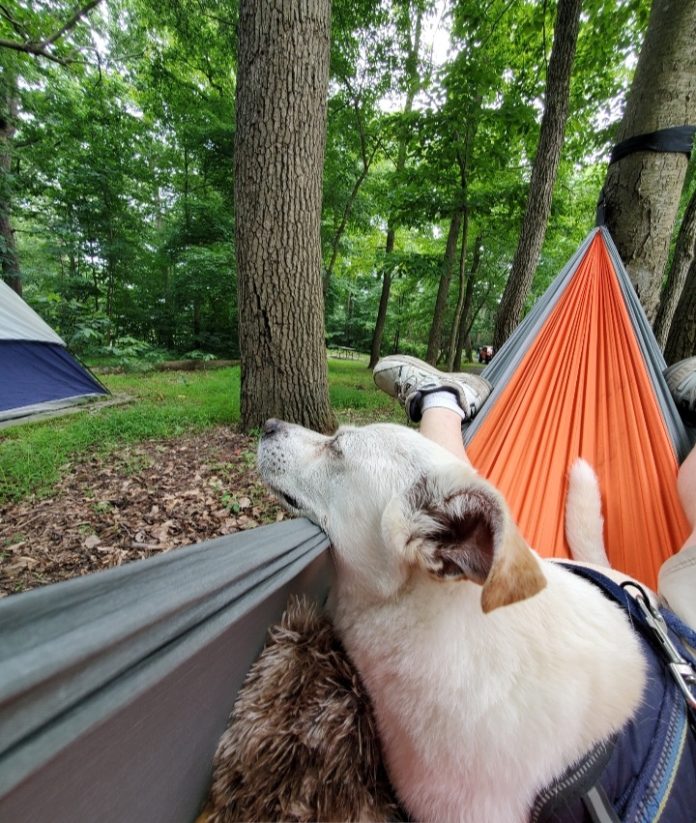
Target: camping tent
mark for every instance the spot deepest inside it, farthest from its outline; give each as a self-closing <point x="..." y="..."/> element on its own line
<point x="37" y="372"/>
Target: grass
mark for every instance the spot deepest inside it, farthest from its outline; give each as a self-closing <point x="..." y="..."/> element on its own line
<point x="33" y="457"/>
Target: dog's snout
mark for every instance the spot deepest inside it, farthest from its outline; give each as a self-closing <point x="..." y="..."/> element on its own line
<point x="272" y="426"/>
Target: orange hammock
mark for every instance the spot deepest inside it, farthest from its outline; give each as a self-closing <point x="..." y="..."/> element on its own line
<point x="582" y="377"/>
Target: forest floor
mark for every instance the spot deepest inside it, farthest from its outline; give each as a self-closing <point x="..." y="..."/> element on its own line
<point x="143" y="500"/>
<point x="103" y="488"/>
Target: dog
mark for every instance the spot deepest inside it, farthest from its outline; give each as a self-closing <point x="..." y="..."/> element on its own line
<point x="490" y="670"/>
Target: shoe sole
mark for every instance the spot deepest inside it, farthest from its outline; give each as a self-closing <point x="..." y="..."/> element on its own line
<point x="425" y="367"/>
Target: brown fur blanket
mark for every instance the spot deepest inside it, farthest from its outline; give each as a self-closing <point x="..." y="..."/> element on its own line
<point x="302" y="742"/>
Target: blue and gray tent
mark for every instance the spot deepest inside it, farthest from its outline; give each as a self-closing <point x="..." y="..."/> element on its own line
<point x="37" y="372"/>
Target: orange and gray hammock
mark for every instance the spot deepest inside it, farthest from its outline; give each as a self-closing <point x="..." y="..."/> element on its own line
<point x="115" y="687"/>
<point x="582" y="377"/>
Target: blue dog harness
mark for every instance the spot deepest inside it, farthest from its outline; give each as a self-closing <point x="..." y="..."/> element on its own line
<point x="647" y="773"/>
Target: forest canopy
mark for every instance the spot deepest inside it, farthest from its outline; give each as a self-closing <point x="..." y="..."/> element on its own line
<point x="117" y="136"/>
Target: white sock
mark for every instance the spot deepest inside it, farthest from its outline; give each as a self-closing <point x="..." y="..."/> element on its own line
<point x="442" y="400"/>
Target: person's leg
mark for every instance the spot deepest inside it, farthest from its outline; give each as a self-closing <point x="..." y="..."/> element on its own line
<point x="676" y="583"/>
<point x="443" y="426"/>
<point x="438" y="401"/>
<point x="686" y="487"/>
<point x="412" y="381"/>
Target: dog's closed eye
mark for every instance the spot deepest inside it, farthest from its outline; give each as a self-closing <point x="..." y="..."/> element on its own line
<point x="335" y="446"/>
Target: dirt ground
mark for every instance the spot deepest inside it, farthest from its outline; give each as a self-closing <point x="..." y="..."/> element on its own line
<point x="143" y="500"/>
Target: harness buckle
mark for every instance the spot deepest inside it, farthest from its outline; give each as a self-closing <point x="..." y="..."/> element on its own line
<point x="685" y="677"/>
<point x="681" y="670"/>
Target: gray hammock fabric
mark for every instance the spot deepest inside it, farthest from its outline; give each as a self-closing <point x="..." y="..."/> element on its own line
<point x="115" y="687"/>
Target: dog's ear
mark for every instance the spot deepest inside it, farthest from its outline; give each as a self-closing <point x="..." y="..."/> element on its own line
<point x="464" y="534"/>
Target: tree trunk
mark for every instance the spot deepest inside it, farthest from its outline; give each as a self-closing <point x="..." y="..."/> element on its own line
<point x="642" y="190"/>
<point x="367" y="155"/>
<point x="461" y="296"/>
<point x="468" y="318"/>
<point x="544" y="171"/>
<point x="684" y="254"/>
<point x="283" y="72"/>
<point x="434" y="338"/>
<point x="381" y="319"/>
<point x="11" y="273"/>
<point x="196" y="339"/>
<point x="681" y="342"/>
<point x="413" y="85"/>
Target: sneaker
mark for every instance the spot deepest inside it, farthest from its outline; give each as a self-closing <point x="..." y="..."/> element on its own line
<point x="681" y="382"/>
<point x="409" y="380"/>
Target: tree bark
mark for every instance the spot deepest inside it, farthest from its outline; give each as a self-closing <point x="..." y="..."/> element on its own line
<point x="9" y="259"/>
<point x="434" y="338"/>
<point x="544" y="171"/>
<point x="413" y="86"/>
<point x="684" y="253"/>
<point x="642" y="190"/>
<point x="283" y="72"/>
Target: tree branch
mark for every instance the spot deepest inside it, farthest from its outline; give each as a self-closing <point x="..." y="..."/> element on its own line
<point x="31" y="48"/>
<point x="39" y="48"/>
<point x="16" y="25"/>
<point x="72" y="22"/>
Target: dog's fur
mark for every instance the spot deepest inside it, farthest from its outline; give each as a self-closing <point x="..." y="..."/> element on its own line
<point x="302" y="743"/>
<point x="490" y="670"/>
<point x="584" y="522"/>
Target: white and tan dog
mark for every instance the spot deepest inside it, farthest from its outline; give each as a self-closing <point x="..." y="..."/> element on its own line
<point x="490" y="670"/>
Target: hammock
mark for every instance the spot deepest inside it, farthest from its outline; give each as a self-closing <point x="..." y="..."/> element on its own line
<point x="115" y="687"/>
<point x="582" y="377"/>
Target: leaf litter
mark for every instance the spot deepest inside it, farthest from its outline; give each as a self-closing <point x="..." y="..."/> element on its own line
<point x="144" y="500"/>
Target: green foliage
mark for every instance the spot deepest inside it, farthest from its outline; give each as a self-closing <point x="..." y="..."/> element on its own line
<point x="119" y="178"/>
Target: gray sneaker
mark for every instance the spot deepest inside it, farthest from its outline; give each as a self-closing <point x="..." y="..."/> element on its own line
<point x="409" y="380"/>
<point x="681" y="382"/>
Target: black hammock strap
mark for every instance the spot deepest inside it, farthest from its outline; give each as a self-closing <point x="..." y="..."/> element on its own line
<point x="672" y="140"/>
<point x="675" y="139"/>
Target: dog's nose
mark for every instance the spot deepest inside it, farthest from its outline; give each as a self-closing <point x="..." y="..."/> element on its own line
<point x="272" y="426"/>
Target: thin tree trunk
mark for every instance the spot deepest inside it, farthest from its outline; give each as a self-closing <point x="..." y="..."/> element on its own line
<point x="282" y="83"/>
<point x="434" y="338"/>
<point x="642" y="190"/>
<point x="459" y="308"/>
<point x="381" y="319"/>
<point x="684" y="254"/>
<point x="397" y="333"/>
<point x="340" y="230"/>
<point x="196" y="323"/>
<point x="366" y="158"/>
<point x="467" y="320"/>
<point x="544" y="171"/>
<point x="10" y="260"/>
<point x="413" y="86"/>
